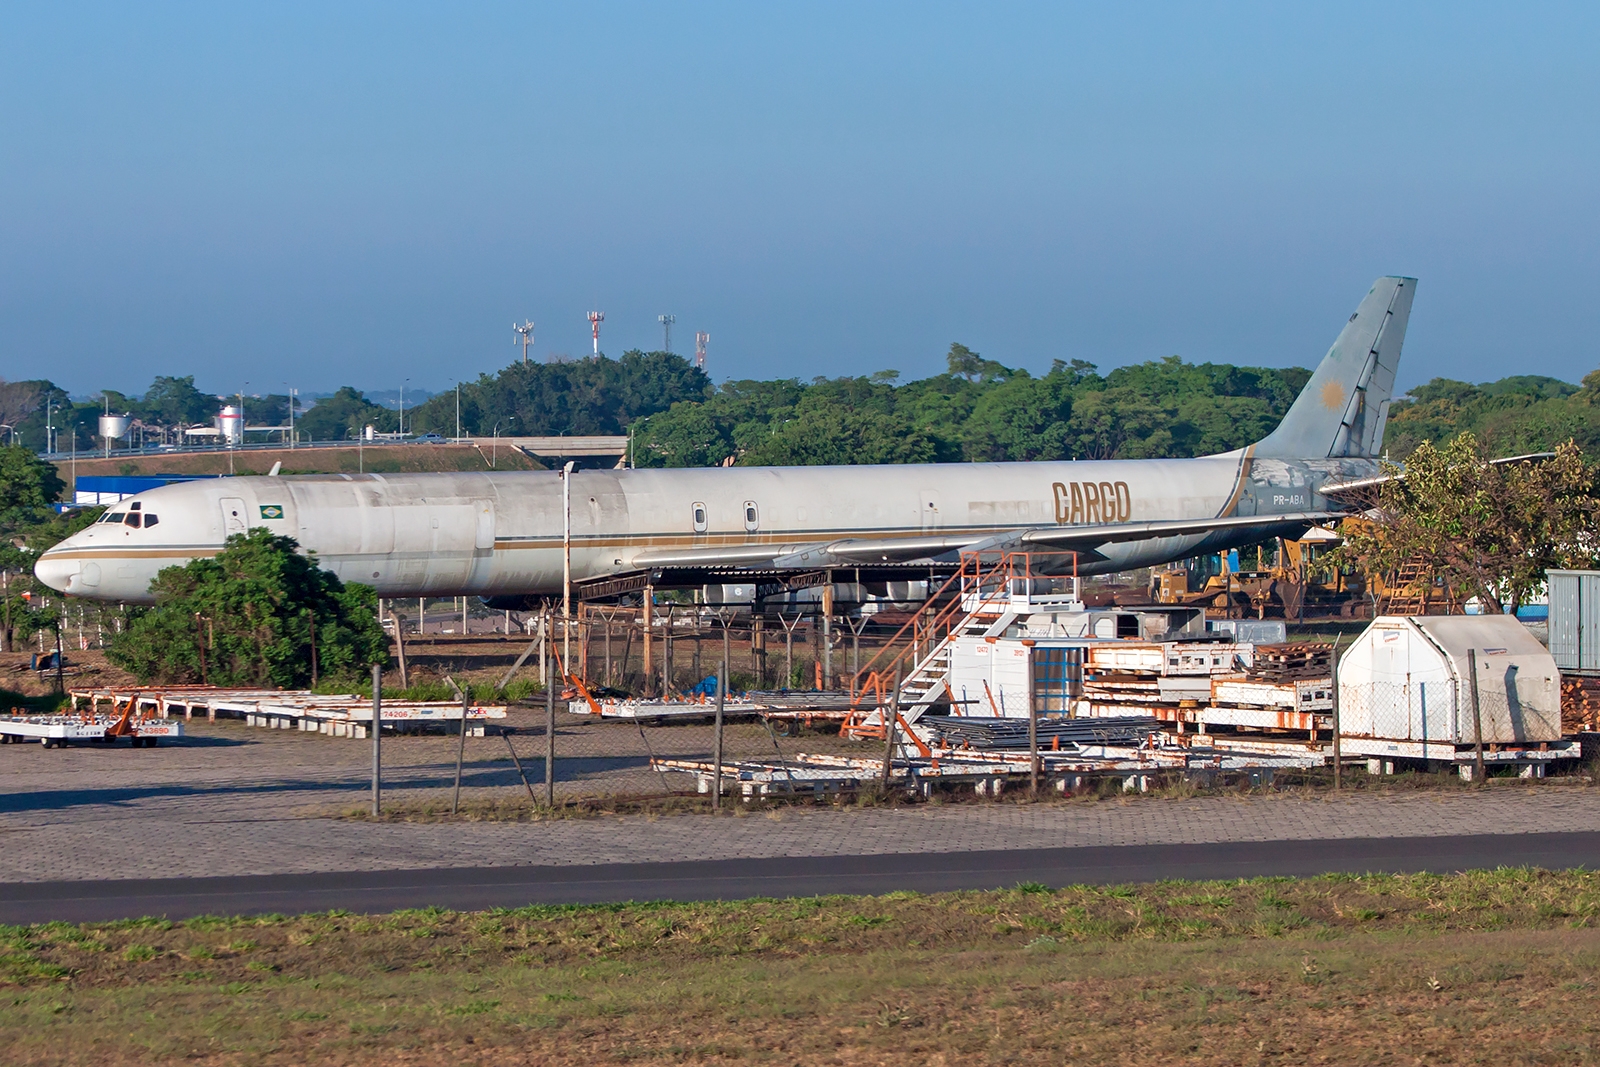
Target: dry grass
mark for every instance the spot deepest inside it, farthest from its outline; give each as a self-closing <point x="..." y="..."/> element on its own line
<point x="514" y="806"/>
<point x="1482" y="967"/>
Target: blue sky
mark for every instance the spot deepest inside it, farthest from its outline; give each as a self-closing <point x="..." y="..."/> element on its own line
<point x="320" y="194"/>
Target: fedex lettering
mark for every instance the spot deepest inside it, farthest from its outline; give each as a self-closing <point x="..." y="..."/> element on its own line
<point x="1092" y="502"/>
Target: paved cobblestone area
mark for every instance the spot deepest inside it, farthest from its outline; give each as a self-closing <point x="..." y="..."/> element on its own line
<point x="237" y="800"/>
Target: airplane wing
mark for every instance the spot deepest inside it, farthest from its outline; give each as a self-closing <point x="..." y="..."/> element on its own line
<point x="1069" y="538"/>
<point x="859" y="551"/>
<point x="855" y="550"/>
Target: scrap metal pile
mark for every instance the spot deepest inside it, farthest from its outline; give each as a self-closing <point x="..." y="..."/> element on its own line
<point x="987" y="732"/>
<point x="1276" y="687"/>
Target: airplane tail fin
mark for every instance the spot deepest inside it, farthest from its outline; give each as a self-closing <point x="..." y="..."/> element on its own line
<point x="1343" y="408"/>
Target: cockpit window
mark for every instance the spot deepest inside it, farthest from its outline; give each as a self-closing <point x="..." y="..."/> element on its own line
<point x="150" y="519"/>
<point x="132" y="519"/>
<point x="114" y="516"/>
<point x="134" y="506"/>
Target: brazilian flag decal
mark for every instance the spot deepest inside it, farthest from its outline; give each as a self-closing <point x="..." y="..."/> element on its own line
<point x="272" y="511"/>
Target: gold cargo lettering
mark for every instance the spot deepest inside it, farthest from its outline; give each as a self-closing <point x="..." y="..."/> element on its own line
<point x="1099" y="502"/>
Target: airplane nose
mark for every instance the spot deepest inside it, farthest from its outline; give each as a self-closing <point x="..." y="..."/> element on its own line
<point x="55" y="572"/>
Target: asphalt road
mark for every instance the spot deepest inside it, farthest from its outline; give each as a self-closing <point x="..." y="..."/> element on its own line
<point x="482" y="887"/>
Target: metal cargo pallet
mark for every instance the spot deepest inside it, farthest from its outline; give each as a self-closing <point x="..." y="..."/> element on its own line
<point x="663" y="710"/>
<point x="338" y="715"/>
<point x="989" y="773"/>
<point x="1531" y="760"/>
<point x="56" y="731"/>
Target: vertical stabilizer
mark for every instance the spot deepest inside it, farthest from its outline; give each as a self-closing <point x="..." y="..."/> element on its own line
<point x="1343" y="408"/>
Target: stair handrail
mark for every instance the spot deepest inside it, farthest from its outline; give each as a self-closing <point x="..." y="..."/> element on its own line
<point x="973" y="560"/>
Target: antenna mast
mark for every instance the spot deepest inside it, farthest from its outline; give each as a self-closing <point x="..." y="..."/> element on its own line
<point x="595" y="319"/>
<point x="666" y="322"/>
<point x="700" y="340"/>
<point x="526" y="330"/>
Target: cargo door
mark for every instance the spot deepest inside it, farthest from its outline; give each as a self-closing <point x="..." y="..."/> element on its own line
<point x="234" y="519"/>
<point x="481" y="571"/>
<point x="377" y="527"/>
<point x="484" y="534"/>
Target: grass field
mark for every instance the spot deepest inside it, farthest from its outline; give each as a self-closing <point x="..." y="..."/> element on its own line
<point x="1491" y="967"/>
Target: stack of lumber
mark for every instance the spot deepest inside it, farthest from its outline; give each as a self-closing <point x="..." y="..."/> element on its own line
<point x="1580" y="704"/>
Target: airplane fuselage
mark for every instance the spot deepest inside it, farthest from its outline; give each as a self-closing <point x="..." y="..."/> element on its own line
<point x="506" y="534"/>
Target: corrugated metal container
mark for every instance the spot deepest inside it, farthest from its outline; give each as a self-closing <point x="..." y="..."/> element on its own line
<point x="1575" y="621"/>
<point x="1409" y="679"/>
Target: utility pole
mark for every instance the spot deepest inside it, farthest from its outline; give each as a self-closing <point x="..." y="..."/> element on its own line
<point x="595" y="319"/>
<point x="458" y="411"/>
<point x="526" y="337"/>
<point x="292" y="394"/>
<point x="566" y="567"/>
<point x="666" y="322"/>
<point x="377" y="730"/>
<point x="403" y="407"/>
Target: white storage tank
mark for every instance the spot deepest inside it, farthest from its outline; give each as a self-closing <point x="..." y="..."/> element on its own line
<point x="231" y="423"/>
<point x="1405" y="684"/>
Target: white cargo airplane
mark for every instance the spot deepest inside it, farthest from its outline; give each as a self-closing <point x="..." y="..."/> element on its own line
<point x="505" y="536"/>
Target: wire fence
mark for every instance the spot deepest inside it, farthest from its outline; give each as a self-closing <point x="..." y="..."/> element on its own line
<point x="1448" y="711"/>
<point x="592" y="759"/>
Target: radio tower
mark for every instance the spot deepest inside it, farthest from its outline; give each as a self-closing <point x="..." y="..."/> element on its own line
<point x="595" y="319"/>
<point x="700" y="340"/>
<point x="526" y="330"/>
<point x="666" y="322"/>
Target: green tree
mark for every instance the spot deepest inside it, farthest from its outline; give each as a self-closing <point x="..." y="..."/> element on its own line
<point x="28" y="486"/>
<point x="344" y="415"/>
<point x="252" y="616"/>
<point x="966" y="363"/>
<point x="1024" y="418"/>
<point x="176" y="402"/>
<point x="585" y="396"/>
<point x="1489" y="530"/>
<point x="686" y="435"/>
<point x="1520" y="414"/>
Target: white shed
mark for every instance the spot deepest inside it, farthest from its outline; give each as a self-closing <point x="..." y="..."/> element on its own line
<point x="1408" y="680"/>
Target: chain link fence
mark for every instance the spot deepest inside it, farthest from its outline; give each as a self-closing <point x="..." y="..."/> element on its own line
<point x="1445" y="711"/>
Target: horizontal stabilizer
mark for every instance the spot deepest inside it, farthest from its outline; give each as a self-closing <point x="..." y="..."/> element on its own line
<point x="1339" y="490"/>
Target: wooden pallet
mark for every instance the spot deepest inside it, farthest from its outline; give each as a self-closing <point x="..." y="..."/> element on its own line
<point x="1292" y="661"/>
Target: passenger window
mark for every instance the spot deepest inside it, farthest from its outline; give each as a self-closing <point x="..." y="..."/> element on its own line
<point x="132" y="519"/>
<point x="751" y="519"/>
<point x="699" y="517"/>
<point x="150" y="520"/>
